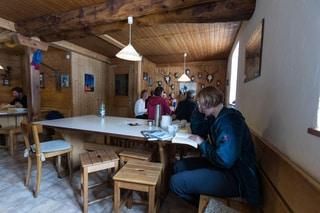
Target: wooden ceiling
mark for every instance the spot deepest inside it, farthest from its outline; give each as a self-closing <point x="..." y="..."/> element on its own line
<point x="163" y="30"/>
<point x="17" y="10"/>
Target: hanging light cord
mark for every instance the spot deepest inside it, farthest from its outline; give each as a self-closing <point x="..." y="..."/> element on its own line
<point x="184" y="62"/>
<point x="129" y="33"/>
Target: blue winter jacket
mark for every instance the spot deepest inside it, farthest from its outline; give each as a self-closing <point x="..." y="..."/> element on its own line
<point x="232" y="149"/>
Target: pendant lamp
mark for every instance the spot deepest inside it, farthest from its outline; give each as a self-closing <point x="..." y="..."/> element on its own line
<point x="128" y="52"/>
<point x="184" y="77"/>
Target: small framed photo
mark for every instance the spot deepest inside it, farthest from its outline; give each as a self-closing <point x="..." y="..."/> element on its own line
<point x="41" y="80"/>
<point x="64" y="81"/>
<point x="145" y="76"/>
<point x="6" y="82"/>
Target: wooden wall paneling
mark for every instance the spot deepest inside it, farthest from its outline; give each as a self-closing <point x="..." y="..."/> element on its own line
<point x="217" y="68"/>
<point x="87" y="102"/>
<point x="299" y="191"/>
<point x="53" y="96"/>
<point x="16" y="74"/>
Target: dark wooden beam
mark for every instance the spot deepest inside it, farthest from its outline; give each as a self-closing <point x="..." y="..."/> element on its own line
<point x="105" y="13"/>
<point x="108" y="17"/>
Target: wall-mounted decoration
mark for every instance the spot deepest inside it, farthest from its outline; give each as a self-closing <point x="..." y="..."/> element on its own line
<point x="186" y="86"/>
<point x="121" y="84"/>
<point x="254" y="53"/>
<point x="159" y="83"/>
<point x="209" y="78"/>
<point x="199" y="75"/>
<point x="149" y="81"/>
<point x="145" y="76"/>
<point x="192" y="78"/>
<point x="176" y="75"/>
<point x="64" y="80"/>
<point x="218" y="83"/>
<point x="202" y="86"/>
<point x="6" y="76"/>
<point x="172" y="87"/>
<point x="167" y="79"/>
<point x="188" y="71"/>
<point x="88" y="82"/>
<point x="41" y="80"/>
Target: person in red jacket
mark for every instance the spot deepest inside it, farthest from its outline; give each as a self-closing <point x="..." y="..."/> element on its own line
<point x="154" y="101"/>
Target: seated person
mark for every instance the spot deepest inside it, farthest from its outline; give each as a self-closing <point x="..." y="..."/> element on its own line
<point x="200" y="124"/>
<point x="154" y="101"/>
<point x="20" y="100"/>
<point x="227" y="168"/>
<point x="140" y="109"/>
<point x="173" y="101"/>
<point x="186" y="107"/>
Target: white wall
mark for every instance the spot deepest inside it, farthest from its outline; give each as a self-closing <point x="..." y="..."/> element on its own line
<point x="282" y="103"/>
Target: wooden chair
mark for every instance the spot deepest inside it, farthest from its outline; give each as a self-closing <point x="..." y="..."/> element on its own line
<point x="42" y="151"/>
<point x="11" y="138"/>
<point x="140" y="176"/>
<point x="93" y="162"/>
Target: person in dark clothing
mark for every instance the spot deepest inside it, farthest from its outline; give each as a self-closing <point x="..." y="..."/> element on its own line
<point x="227" y="166"/>
<point x="186" y="107"/>
<point x="20" y="100"/>
<point x="200" y="124"/>
<point x="154" y="101"/>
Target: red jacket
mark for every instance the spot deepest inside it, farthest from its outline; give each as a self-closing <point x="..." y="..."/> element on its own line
<point x="152" y="103"/>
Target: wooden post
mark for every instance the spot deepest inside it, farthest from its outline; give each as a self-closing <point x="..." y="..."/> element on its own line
<point x="32" y="86"/>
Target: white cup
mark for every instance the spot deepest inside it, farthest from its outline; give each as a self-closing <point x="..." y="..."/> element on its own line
<point x="173" y="129"/>
<point x="166" y="120"/>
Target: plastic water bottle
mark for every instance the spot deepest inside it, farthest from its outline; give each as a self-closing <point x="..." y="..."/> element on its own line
<point x="102" y="110"/>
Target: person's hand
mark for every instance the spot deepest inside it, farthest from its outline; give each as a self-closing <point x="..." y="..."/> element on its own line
<point x="196" y="139"/>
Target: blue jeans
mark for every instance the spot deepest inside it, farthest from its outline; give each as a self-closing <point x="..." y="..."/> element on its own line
<point x="195" y="176"/>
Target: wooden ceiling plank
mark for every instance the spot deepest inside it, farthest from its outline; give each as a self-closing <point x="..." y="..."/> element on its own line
<point x="8" y="25"/>
<point x="65" y="45"/>
<point x="112" y="41"/>
<point x="103" y="18"/>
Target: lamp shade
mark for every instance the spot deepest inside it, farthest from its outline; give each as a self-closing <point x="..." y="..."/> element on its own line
<point x="184" y="78"/>
<point x="129" y="53"/>
<point x="1" y="67"/>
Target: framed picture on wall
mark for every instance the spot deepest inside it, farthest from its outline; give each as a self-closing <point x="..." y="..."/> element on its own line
<point x="64" y="80"/>
<point x="88" y="82"/>
<point x="254" y="53"/>
<point x="41" y="80"/>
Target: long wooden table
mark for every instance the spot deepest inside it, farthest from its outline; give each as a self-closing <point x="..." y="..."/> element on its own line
<point x="74" y="130"/>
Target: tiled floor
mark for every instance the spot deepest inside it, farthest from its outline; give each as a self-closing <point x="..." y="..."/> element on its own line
<point x="57" y="195"/>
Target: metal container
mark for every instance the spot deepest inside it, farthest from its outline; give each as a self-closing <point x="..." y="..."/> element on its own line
<point x="157" y="115"/>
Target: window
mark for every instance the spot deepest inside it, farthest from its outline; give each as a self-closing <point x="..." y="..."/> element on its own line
<point x="233" y="76"/>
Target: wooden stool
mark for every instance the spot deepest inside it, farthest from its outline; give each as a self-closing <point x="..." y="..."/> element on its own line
<point x="139" y="176"/>
<point x="127" y="155"/>
<point x="94" y="162"/>
<point x="10" y="133"/>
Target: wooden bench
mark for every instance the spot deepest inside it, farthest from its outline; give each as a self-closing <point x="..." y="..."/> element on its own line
<point x="285" y="186"/>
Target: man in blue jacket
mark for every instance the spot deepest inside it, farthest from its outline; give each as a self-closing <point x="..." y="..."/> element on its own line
<point x="227" y="166"/>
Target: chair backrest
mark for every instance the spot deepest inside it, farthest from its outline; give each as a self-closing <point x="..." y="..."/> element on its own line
<point x="26" y="130"/>
<point x="36" y="130"/>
